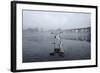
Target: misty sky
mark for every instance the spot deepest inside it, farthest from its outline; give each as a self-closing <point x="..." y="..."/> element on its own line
<point x="54" y="20"/>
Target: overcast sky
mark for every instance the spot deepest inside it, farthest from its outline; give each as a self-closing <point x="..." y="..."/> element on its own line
<point x="54" y="20"/>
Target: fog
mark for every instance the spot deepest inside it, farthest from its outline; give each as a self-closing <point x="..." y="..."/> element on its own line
<point x="38" y="45"/>
<point x="54" y="20"/>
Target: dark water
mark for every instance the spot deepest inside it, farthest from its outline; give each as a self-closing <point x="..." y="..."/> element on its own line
<point x="37" y="46"/>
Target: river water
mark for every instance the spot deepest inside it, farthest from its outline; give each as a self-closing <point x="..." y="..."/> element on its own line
<point x="37" y="47"/>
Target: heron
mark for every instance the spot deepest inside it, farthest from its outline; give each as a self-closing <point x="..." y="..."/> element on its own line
<point x="58" y="37"/>
<point x="59" y="49"/>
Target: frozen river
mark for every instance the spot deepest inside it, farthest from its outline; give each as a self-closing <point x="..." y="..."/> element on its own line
<point x="37" y="47"/>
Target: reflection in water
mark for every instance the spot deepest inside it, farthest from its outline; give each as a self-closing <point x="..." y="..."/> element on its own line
<point x="37" y="45"/>
<point x="78" y="36"/>
<point x="81" y="34"/>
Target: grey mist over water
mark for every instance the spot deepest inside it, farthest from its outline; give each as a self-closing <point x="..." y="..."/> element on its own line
<point x="54" y="20"/>
<point x="37" y="38"/>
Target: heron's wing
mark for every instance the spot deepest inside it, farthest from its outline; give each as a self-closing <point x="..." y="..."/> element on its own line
<point x="58" y="37"/>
